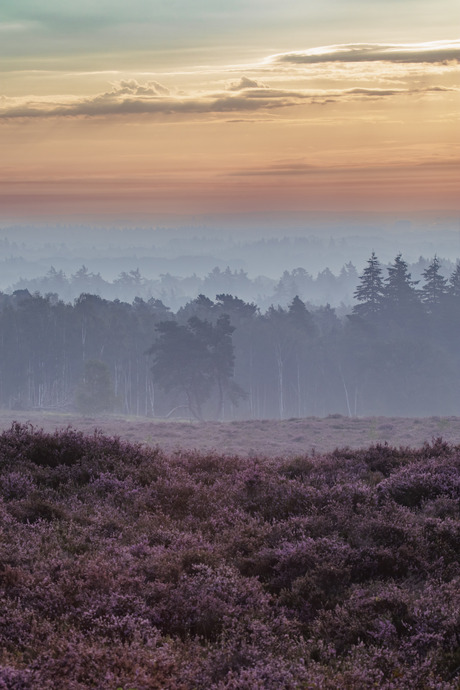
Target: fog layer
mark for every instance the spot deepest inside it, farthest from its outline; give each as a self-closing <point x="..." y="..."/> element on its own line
<point x="395" y="352"/>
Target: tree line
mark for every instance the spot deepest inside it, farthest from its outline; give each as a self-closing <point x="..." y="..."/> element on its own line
<point x="395" y="353"/>
<point x="176" y="291"/>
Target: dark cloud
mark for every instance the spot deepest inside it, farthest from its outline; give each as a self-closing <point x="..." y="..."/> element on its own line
<point x="437" y="52"/>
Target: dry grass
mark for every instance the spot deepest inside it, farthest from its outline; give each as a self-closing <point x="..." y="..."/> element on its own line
<point x="257" y="437"/>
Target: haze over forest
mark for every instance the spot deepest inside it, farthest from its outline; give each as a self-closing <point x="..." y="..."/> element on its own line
<point x="218" y="348"/>
<point x="318" y="259"/>
<point x="210" y="181"/>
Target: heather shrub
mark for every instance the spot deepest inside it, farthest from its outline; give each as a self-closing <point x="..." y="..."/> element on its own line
<point x="380" y="458"/>
<point x="298" y="467"/>
<point x="203" y="601"/>
<point x="64" y="447"/>
<point x="25" y="443"/>
<point x="34" y="509"/>
<point x="16" y="485"/>
<point x="124" y="567"/>
<point x="426" y="480"/>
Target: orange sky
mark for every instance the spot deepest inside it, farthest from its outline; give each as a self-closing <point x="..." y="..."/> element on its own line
<point x="216" y="126"/>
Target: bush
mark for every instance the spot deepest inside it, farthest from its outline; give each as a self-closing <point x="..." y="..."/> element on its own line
<point x="123" y="567"/>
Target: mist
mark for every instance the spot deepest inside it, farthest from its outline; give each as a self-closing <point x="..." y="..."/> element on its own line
<point x="265" y="260"/>
<point x="178" y="323"/>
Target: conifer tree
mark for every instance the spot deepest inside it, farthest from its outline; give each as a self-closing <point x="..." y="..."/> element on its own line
<point x="300" y="316"/>
<point x="435" y="287"/>
<point x="370" y="290"/>
<point x="453" y="288"/>
<point x="399" y="290"/>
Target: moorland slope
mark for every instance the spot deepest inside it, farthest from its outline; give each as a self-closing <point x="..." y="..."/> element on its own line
<point x="123" y="566"/>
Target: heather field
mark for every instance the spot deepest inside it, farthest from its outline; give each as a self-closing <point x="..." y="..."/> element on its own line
<point x="126" y="566"/>
<point x="270" y="438"/>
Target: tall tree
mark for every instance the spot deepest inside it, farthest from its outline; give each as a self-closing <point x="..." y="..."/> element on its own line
<point x="219" y="345"/>
<point x="399" y="291"/>
<point x="301" y="327"/>
<point x="300" y="316"/>
<point x="435" y="287"/>
<point x="194" y="360"/>
<point x="453" y="288"/>
<point x="370" y="290"/>
<point x="235" y="307"/>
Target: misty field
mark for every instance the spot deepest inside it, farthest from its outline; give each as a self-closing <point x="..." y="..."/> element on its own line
<point x="125" y="566"/>
<point x="256" y="437"/>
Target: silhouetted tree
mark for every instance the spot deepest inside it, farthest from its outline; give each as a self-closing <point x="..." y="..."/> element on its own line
<point x="300" y="316"/>
<point x="435" y="287"/>
<point x="201" y="306"/>
<point x="218" y="342"/>
<point x="454" y="283"/>
<point x="195" y="358"/>
<point x="370" y="290"/>
<point x="236" y="308"/>
<point x="301" y="327"/>
<point x="399" y="294"/>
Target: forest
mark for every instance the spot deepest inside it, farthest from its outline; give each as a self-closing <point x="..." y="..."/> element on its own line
<point x="176" y="291"/>
<point x="319" y="264"/>
<point x="395" y="353"/>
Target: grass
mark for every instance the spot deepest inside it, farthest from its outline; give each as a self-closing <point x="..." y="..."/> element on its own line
<point x="266" y="437"/>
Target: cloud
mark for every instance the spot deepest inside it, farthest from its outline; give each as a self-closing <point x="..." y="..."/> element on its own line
<point x="434" y="52"/>
<point x="293" y="169"/>
<point x="7" y="27"/>
<point x="132" y="87"/>
<point x="130" y="97"/>
<point x="246" y="83"/>
<point x="382" y="93"/>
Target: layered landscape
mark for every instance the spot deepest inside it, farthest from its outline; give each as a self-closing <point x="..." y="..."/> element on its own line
<point x="229" y="345"/>
<point x="213" y="499"/>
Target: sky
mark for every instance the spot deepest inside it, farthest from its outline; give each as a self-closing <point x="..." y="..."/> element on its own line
<point x="172" y="110"/>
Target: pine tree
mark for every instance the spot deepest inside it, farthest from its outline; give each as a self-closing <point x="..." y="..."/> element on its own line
<point x="435" y="287"/>
<point x="399" y="291"/>
<point x="195" y="360"/>
<point x="370" y="290"/>
<point x="453" y="289"/>
<point x="300" y="316"/>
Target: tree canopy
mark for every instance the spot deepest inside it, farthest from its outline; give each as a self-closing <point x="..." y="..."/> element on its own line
<point x="196" y="359"/>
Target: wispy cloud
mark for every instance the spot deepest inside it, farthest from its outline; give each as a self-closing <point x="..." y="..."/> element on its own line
<point x="8" y="27"/>
<point x="294" y="169"/>
<point x="434" y="52"/>
<point x="130" y="97"/>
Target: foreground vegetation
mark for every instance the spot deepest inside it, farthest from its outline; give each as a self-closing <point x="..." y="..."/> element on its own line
<point x="124" y="567"/>
<point x="268" y="437"/>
